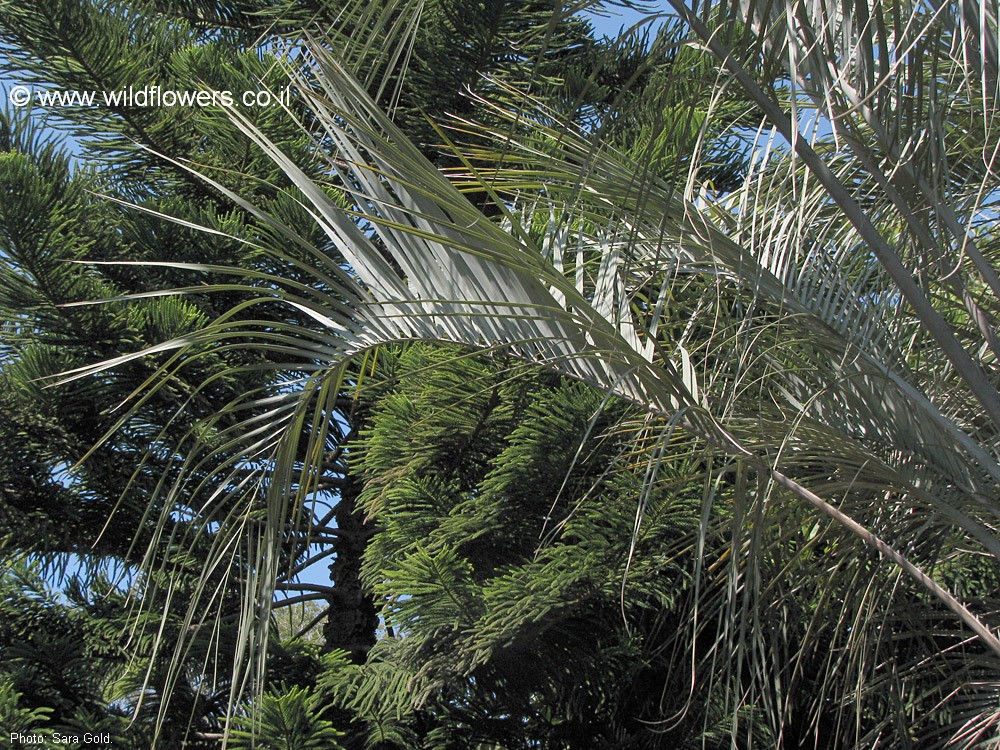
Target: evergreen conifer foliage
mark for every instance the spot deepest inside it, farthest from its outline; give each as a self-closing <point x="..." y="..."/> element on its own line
<point x="56" y="216"/>
<point x="775" y="514"/>
<point x="502" y="569"/>
<point x="793" y="387"/>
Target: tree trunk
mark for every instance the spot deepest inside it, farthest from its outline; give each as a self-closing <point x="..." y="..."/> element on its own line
<point x="352" y="620"/>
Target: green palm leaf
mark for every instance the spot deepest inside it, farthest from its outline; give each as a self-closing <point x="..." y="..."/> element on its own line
<point x="819" y="360"/>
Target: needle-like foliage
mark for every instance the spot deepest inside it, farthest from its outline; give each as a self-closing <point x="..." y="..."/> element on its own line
<point x="811" y="344"/>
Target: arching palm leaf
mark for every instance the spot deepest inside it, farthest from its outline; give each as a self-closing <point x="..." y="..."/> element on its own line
<point x="810" y="359"/>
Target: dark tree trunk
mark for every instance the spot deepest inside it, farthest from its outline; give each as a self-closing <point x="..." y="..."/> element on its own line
<point x="352" y="621"/>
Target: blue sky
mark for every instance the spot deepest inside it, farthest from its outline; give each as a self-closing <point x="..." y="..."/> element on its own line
<point x="609" y="23"/>
<point x="614" y="19"/>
